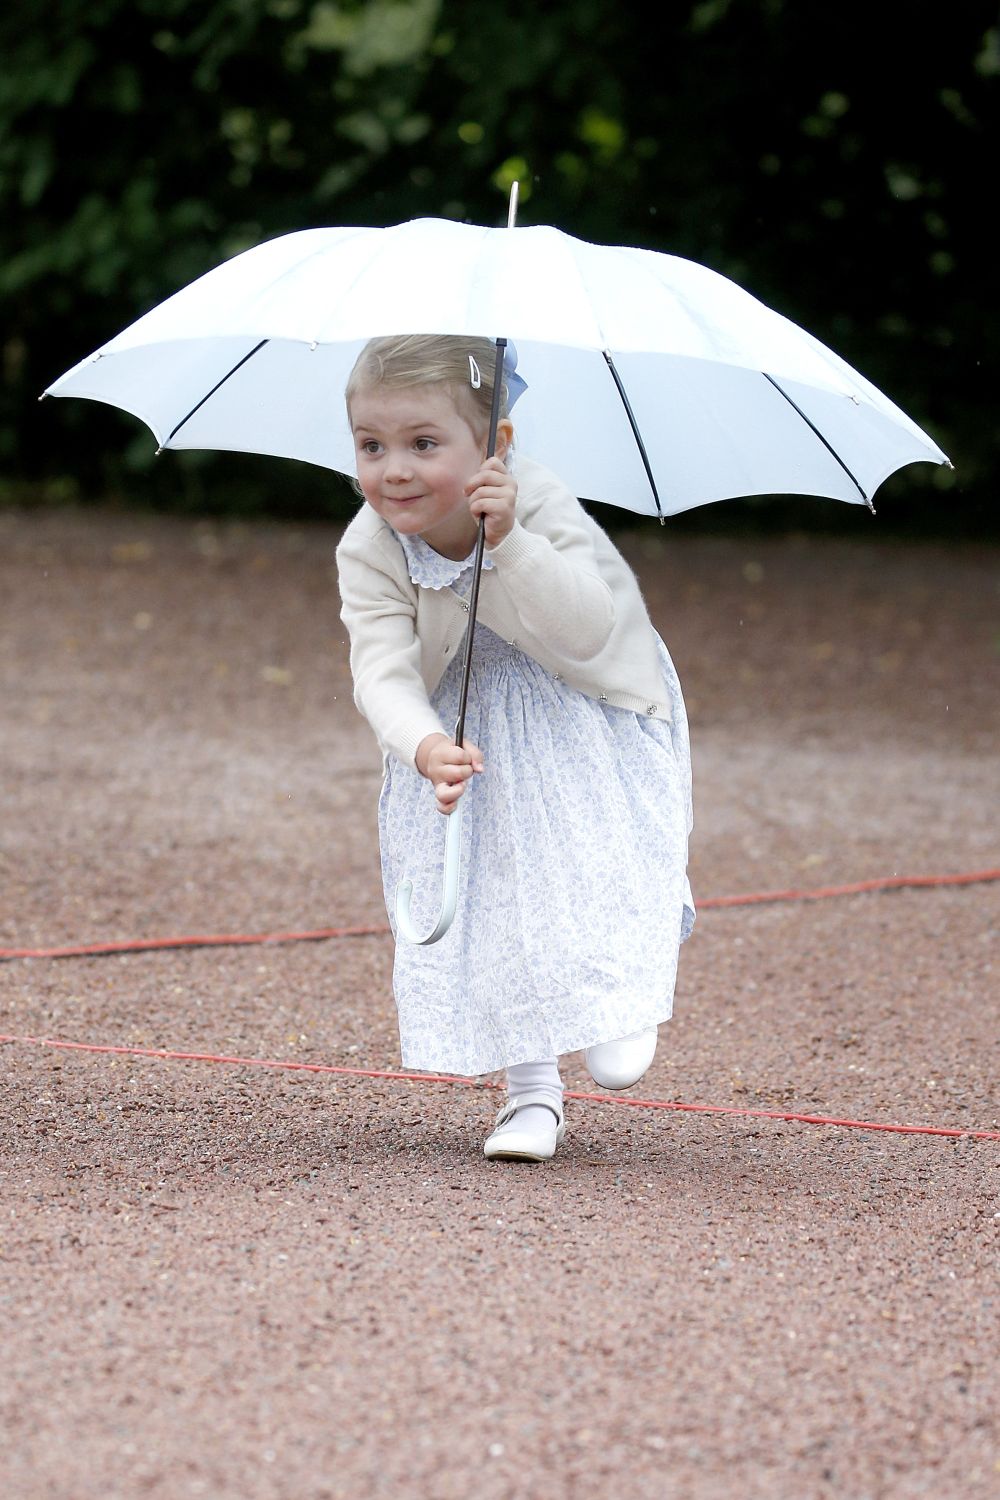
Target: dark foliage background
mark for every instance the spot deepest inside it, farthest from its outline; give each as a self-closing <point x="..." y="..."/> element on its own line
<point x="837" y="160"/>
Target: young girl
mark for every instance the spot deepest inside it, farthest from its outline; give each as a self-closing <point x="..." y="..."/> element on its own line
<point x="574" y="897"/>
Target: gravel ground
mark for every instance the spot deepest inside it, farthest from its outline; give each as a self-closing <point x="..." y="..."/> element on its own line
<point x="221" y="1280"/>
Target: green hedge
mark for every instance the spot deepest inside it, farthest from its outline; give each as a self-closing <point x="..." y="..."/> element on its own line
<point x="837" y="161"/>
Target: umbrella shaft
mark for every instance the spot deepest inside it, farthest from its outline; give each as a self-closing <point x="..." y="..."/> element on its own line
<point x="477" y="568"/>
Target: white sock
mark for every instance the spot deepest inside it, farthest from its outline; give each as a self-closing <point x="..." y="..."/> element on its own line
<point x="535" y="1077"/>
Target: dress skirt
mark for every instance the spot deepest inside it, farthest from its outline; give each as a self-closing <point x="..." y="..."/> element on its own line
<point x="573" y="898"/>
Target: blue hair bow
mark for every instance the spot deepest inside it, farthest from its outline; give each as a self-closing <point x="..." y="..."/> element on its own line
<point x="516" y="386"/>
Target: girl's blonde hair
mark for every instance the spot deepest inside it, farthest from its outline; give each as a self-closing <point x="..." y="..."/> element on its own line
<point x="433" y="359"/>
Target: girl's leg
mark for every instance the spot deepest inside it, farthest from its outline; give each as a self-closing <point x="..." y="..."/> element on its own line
<point x="536" y="1077"/>
<point x="530" y="1125"/>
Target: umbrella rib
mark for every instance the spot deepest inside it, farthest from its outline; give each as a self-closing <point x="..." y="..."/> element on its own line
<point x="636" y="434"/>
<point x="209" y="394"/>
<point x="827" y="445"/>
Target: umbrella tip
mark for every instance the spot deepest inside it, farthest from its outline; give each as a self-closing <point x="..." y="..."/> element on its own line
<point x="512" y="204"/>
<point x="43" y="395"/>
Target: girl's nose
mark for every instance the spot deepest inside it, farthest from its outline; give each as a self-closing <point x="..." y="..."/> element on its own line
<point x="398" y="466"/>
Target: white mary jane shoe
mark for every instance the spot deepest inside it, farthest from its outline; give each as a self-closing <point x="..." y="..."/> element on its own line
<point x="619" y="1064"/>
<point x="514" y="1140"/>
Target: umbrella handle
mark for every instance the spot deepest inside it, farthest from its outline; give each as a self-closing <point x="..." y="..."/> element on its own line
<point x="449" y="895"/>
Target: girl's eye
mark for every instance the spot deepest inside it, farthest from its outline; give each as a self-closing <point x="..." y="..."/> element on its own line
<point x="369" y="446"/>
<point x="424" y="445"/>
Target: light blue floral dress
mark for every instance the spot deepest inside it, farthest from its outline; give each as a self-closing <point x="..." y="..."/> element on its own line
<point x="574" y="897"/>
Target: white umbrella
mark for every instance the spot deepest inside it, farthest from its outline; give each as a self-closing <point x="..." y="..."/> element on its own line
<point x="653" y="383"/>
<point x="725" y="396"/>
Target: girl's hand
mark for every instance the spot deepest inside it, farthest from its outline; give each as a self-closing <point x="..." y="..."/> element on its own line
<point x="448" y="767"/>
<point x="493" y="493"/>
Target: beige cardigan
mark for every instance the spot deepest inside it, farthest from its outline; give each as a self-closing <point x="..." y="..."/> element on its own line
<point x="559" y="589"/>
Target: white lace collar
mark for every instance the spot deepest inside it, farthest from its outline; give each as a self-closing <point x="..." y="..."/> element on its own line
<point x="428" y="569"/>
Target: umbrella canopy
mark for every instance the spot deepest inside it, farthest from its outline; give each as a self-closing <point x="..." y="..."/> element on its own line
<point x="653" y="383"/>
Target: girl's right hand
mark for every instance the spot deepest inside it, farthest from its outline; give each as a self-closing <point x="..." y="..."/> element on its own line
<point x="448" y="767"/>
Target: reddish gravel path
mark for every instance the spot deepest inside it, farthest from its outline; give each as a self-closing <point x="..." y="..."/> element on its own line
<point x="229" y="1282"/>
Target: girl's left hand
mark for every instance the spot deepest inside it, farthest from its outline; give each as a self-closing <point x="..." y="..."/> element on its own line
<point x="493" y="493"/>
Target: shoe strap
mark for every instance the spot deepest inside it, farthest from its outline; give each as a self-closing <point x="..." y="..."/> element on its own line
<point x="533" y="1096"/>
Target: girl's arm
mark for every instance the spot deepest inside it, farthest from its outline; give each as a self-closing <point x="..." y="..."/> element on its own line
<point x="385" y="655"/>
<point x="553" y="574"/>
<point x="388" y="687"/>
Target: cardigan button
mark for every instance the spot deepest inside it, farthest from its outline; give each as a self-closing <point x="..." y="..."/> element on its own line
<point x="603" y="698"/>
<point x="651" y="709"/>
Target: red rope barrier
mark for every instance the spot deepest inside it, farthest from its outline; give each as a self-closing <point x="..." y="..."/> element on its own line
<point x="884" y="883"/>
<point x="234" y="940"/>
<point x="397" y="1076"/>
<point x="220" y="940"/>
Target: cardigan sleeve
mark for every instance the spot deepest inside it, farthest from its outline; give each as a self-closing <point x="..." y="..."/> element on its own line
<point x="385" y="652"/>
<point x="549" y="568"/>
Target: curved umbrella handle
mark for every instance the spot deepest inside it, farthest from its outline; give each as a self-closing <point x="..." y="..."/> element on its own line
<point x="449" y="895"/>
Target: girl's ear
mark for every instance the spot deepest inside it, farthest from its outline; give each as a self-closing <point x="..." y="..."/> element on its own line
<point x="505" y="436"/>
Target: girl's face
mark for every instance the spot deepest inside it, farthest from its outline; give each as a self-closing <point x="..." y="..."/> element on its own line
<point x="416" y="453"/>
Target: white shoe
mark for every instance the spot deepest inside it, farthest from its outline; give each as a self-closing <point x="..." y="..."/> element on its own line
<point x="526" y="1134"/>
<point x="619" y="1064"/>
